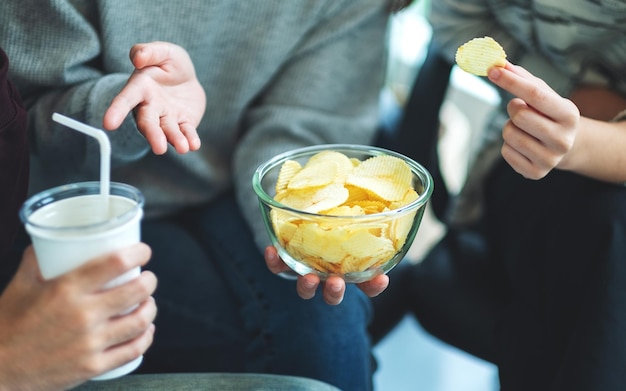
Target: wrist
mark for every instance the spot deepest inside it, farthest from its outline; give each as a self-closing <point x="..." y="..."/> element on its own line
<point x="575" y="158"/>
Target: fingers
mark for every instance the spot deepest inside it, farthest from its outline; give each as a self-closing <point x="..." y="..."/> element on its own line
<point x="150" y="54"/>
<point x="122" y="329"/>
<point x="542" y="126"/>
<point x="375" y="286"/>
<point x="534" y="91"/>
<point x="164" y="56"/>
<point x="534" y="144"/>
<point x="191" y="134"/>
<point x="273" y="261"/>
<point x="124" y="102"/>
<point x="127" y="351"/>
<point x="149" y="123"/>
<point x="307" y="286"/>
<point x="173" y="134"/>
<point x="98" y="272"/>
<point x="520" y="163"/>
<point x="157" y="126"/>
<point x="334" y="289"/>
<point x="536" y="127"/>
<point x="166" y="97"/>
<point x="121" y="298"/>
<point x="525" y="154"/>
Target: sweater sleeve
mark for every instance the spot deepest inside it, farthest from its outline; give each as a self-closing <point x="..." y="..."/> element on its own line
<point x="326" y="92"/>
<point x="13" y="158"/>
<point x="60" y="72"/>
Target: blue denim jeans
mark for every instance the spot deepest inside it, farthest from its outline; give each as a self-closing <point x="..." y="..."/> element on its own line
<point x="221" y="309"/>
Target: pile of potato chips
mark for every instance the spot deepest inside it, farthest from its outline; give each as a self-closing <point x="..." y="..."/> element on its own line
<point x="333" y="189"/>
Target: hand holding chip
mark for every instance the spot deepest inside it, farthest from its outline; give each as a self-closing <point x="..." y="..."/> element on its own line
<point x="542" y="125"/>
<point x="333" y="288"/>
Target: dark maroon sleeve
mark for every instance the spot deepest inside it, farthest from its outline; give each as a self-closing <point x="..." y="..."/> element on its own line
<point x="13" y="158"/>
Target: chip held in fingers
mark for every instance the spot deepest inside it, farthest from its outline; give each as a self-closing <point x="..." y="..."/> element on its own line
<point x="478" y="55"/>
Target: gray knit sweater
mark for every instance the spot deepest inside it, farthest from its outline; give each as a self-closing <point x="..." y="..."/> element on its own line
<point x="279" y="74"/>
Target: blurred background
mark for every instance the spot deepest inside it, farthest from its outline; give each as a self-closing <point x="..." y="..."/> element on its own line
<point x="409" y="358"/>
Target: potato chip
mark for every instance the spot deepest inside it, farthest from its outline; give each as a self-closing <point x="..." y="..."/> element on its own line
<point x="315" y="199"/>
<point x="399" y="229"/>
<point x="345" y="210"/>
<point x="287" y="171"/>
<point x="320" y="174"/>
<point x="356" y="194"/>
<point x="284" y="226"/>
<point x="371" y="206"/>
<point x="410" y="196"/>
<point x="365" y="250"/>
<point x="479" y="54"/>
<point x="387" y="177"/>
<point x="326" y="244"/>
<point x="343" y="164"/>
<point x="321" y="265"/>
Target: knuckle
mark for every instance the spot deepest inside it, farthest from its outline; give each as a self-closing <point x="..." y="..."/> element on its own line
<point x="537" y="94"/>
<point x="61" y="290"/>
<point x="561" y="146"/>
<point x="84" y="320"/>
<point x="536" y="172"/>
<point x="92" y="367"/>
<point x="146" y="284"/>
<point x="136" y="349"/>
<point x="121" y="261"/>
<point x="140" y="322"/>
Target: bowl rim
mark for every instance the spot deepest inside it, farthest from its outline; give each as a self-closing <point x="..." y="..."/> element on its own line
<point x="416" y="168"/>
<point x="75" y="189"/>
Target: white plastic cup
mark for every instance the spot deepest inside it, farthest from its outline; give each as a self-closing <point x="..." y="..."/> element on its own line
<point x="72" y="224"/>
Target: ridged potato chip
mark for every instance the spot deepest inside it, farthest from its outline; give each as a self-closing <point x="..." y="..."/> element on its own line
<point x="313" y="175"/>
<point x="342" y="163"/>
<point x="478" y="55"/>
<point x="332" y="184"/>
<point x="316" y="198"/>
<point x="387" y="177"/>
<point x="287" y="171"/>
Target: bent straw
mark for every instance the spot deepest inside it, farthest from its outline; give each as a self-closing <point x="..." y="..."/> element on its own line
<point x="105" y="148"/>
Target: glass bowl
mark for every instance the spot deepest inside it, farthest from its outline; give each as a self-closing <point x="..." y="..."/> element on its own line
<point x="354" y="247"/>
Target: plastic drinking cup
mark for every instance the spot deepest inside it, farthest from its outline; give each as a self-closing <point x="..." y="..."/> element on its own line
<point x="72" y="224"/>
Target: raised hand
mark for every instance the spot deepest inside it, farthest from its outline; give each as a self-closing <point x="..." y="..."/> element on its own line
<point x="165" y="95"/>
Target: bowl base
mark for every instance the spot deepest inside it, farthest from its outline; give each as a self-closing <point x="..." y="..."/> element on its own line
<point x="349" y="278"/>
